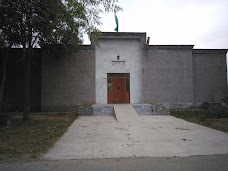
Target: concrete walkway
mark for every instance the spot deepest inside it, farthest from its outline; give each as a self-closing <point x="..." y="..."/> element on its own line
<point x="152" y="136"/>
<point x="125" y="113"/>
<point x="192" y="163"/>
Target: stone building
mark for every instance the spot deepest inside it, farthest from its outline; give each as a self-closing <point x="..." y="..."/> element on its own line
<point x="123" y="68"/>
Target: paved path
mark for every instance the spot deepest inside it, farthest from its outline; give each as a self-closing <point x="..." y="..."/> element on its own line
<point x="192" y="163"/>
<point x="125" y="113"/>
<point x="152" y="136"/>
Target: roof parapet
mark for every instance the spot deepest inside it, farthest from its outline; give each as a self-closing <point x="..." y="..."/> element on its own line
<point x="171" y="47"/>
<point x="211" y="51"/>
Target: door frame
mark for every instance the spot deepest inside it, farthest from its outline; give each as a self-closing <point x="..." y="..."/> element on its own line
<point x="110" y="84"/>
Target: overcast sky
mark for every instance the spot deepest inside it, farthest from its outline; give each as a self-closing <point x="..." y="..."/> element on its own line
<point x="203" y="23"/>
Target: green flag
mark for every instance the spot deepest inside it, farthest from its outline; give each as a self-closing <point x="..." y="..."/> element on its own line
<point x="117" y="24"/>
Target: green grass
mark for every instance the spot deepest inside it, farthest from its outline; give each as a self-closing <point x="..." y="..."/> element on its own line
<point x="208" y="118"/>
<point x="27" y="140"/>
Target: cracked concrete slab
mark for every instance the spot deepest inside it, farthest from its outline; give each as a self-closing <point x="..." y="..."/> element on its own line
<point x="151" y="136"/>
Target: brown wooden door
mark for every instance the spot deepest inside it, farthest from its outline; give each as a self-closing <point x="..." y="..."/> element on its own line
<point x="118" y="90"/>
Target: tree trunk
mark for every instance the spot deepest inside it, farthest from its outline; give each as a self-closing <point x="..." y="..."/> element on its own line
<point x="28" y="57"/>
<point x="4" y="64"/>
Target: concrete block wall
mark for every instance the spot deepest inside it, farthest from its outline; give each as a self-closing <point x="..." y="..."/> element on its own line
<point x="209" y="75"/>
<point x="68" y="82"/>
<point x="167" y="75"/>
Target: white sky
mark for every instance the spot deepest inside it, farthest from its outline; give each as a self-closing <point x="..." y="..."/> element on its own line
<point x="203" y="23"/>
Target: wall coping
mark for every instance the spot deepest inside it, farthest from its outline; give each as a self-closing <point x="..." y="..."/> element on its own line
<point x="171" y="47"/>
<point x="86" y="47"/>
<point x="209" y="51"/>
<point x="122" y="34"/>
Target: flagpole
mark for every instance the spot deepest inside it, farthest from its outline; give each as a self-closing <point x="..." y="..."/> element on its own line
<point x="117" y="22"/>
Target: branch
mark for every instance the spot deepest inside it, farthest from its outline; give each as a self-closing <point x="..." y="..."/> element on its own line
<point x="35" y="39"/>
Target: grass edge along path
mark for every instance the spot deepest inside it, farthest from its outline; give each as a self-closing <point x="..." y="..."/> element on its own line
<point x="204" y="118"/>
<point x="28" y="140"/>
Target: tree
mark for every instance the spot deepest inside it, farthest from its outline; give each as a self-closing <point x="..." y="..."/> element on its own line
<point x="3" y="75"/>
<point x="38" y="23"/>
<point x="5" y="47"/>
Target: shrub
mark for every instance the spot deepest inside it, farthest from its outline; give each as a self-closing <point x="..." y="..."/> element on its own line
<point x="225" y="100"/>
<point x="205" y="105"/>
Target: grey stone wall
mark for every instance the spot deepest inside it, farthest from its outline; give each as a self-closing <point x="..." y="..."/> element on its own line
<point x="68" y="82"/>
<point x="209" y="75"/>
<point x="172" y="76"/>
<point x="167" y="75"/>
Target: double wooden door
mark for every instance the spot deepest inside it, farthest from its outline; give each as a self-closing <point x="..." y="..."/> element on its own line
<point x="118" y="88"/>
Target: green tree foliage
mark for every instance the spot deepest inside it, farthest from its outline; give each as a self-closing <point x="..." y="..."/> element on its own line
<point x="38" y="23"/>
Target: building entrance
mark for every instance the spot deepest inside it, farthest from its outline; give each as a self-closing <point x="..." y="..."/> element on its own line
<point x="118" y="88"/>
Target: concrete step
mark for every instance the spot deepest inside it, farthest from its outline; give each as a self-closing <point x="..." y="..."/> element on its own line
<point x="144" y="109"/>
<point x="125" y="113"/>
<point x="102" y="109"/>
<point x="108" y="109"/>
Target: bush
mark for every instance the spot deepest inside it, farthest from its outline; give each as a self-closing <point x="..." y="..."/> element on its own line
<point x="205" y="106"/>
<point x="220" y="111"/>
<point x="225" y="100"/>
<point x="210" y="112"/>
